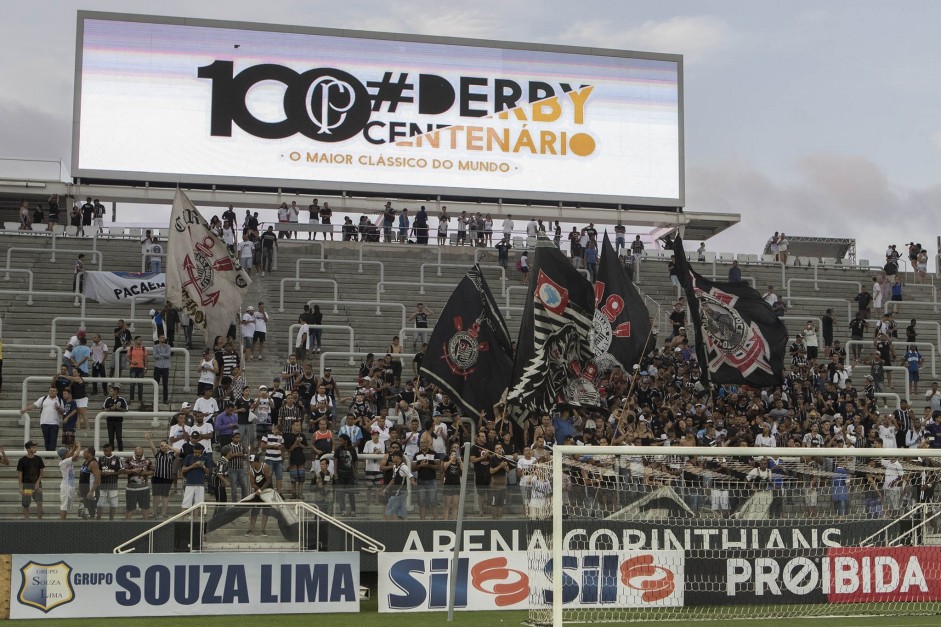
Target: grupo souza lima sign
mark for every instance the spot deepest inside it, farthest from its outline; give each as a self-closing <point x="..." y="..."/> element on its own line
<point x="218" y="101"/>
<point x="413" y="582"/>
<point x="90" y="585"/>
<point x="115" y="288"/>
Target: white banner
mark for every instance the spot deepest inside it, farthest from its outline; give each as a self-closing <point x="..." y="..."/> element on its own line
<point x="115" y="288"/>
<point x="202" y="277"/>
<point x="418" y="582"/>
<point x="170" y="584"/>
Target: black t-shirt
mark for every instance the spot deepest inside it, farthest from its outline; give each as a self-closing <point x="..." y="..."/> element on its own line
<point x="30" y="467"/>
<point x="242" y="407"/>
<point x="424" y="473"/>
<point x="481" y="467"/>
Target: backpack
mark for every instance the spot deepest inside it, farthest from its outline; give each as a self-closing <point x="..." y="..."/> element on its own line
<point x="519" y="264"/>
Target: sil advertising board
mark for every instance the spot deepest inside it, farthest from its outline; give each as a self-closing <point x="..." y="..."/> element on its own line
<point x="419" y="582"/>
<point x="107" y="585"/>
<point x="164" y="99"/>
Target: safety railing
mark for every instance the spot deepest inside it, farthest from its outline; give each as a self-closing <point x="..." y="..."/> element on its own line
<point x="803" y="320"/>
<point x="498" y="268"/>
<point x="413" y="332"/>
<point x="891" y="396"/>
<point x="34" y="378"/>
<point x="362" y="303"/>
<point x="145" y="261"/>
<point x="96" y="254"/>
<point x="323" y="265"/>
<point x="353" y="354"/>
<point x="797" y="300"/>
<point x="83" y="319"/>
<point x="381" y="286"/>
<point x="51" y="350"/>
<point x="174" y="350"/>
<point x="507" y="310"/>
<point x="26" y="271"/>
<point x="816" y="283"/>
<point x="202" y="517"/>
<point x="297" y="286"/>
<point x="921" y="286"/>
<point x="79" y="300"/>
<point x="514" y="288"/>
<point x="293" y="329"/>
<point x="154" y="416"/>
<point x="898" y="354"/>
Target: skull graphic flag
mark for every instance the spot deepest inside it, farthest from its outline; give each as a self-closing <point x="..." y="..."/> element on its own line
<point x="621" y="325"/>
<point x="470" y="356"/>
<point x="739" y="339"/>
<point x="202" y="277"/>
<point x="554" y="357"/>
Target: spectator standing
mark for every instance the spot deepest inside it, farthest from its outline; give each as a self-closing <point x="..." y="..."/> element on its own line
<point x="827" y="321"/>
<point x="295" y="442"/>
<point x="137" y="359"/>
<point x="246" y="250"/>
<point x="238" y="460"/>
<point x="261" y="331"/>
<point x="161" y="353"/>
<point x="138" y="470"/>
<point x="326" y="213"/>
<point x="78" y="282"/>
<point x="111" y="466"/>
<point x="29" y="471"/>
<point x="591" y="259"/>
<point x="248" y="332"/>
<point x="50" y="417"/>
<point x="316" y="333"/>
<point x="735" y="272"/>
<point x="164" y="472"/>
<point x="522" y="264"/>
<point x="503" y="252"/>
<point x="67" y="458"/>
<point x="269" y="244"/>
<point x="195" y="467"/>
<point x="913" y="361"/>
<point x="156" y="252"/>
<point x="404" y="224"/>
<point x="426" y="465"/>
<point x="420" y="319"/>
<point x="783" y="246"/>
<point x="396" y="487"/>
<point x="301" y="343"/>
<point x="115" y="405"/>
<point x="508" y="226"/>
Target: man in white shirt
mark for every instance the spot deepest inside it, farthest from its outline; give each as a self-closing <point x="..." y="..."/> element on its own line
<point x="205" y="406"/>
<point x="261" y="332"/>
<point x="202" y="432"/>
<point x="508" y="227"/>
<point x="302" y="341"/>
<point x="770" y="297"/>
<point x="50" y="417"/>
<point x="248" y="332"/>
<point x="532" y="228"/>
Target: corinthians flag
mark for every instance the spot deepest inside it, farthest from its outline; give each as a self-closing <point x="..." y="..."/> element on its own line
<point x="553" y="354"/>
<point x="470" y="355"/>
<point x="202" y="277"/>
<point x="738" y="338"/>
<point x="621" y="325"/>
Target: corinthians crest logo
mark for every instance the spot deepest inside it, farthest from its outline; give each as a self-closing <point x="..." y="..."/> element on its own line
<point x="45" y="586"/>
<point x="729" y="339"/>
<point x="603" y="329"/>
<point x="463" y="348"/>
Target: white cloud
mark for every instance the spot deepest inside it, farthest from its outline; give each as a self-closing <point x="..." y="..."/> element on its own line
<point x="690" y="35"/>
<point x="829" y="195"/>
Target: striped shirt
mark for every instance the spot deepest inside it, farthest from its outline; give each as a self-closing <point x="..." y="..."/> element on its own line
<point x="273" y="445"/>
<point x="291" y="369"/>
<point x="163" y="464"/>
<point x="237" y="461"/>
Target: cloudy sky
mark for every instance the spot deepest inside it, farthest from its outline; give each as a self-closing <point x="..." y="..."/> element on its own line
<point x="816" y="118"/>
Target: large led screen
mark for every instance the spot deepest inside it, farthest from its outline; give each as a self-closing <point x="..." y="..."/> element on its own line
<point x="166" y="99"/>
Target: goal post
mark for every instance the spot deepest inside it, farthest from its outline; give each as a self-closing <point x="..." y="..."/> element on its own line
<point x="669" y="533"/>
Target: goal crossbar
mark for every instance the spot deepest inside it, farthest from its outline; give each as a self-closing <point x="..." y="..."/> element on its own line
<point x="561" y="452"/>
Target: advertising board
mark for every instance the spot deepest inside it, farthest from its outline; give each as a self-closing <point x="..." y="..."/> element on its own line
<point x="418" y="582"/>
<point x="165" y="99"/>
<point x="160" y="584"/>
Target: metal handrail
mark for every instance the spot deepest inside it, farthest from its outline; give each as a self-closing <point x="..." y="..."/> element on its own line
<point x="380" y="286"/>
<point x="501" y="269"/>
<point x="891" y="395"/>
<point x="200" y="510"/>
<point x="82" y="320"/>
<point x="145" y="257"/>
<point x="814" y="299"/>
<point x="96" y="253"/>
<point x="351" y="355"/>
<point x="27" y="271"/>
<point x="80" y="298"/>
<point x="297" y="286"/>
<point x="937" y="326"/>
<point x="816" y="282"/>
<point x="173" y="349"/>
<point x="326" y="327"/>
<point x="850" y="343"/>
<point x="377" y="304"/>
<point x="48" y="380"/>
<point x="324" y="261"/>
<point x="56" y="350"/>
<point x="884" y="529"/>
<point x="154" y="415"/>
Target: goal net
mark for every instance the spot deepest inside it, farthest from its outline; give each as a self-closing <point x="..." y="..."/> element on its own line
<point x="680" y="533"/>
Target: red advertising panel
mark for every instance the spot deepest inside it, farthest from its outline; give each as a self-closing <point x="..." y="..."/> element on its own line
<point x="883" y="574"/>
